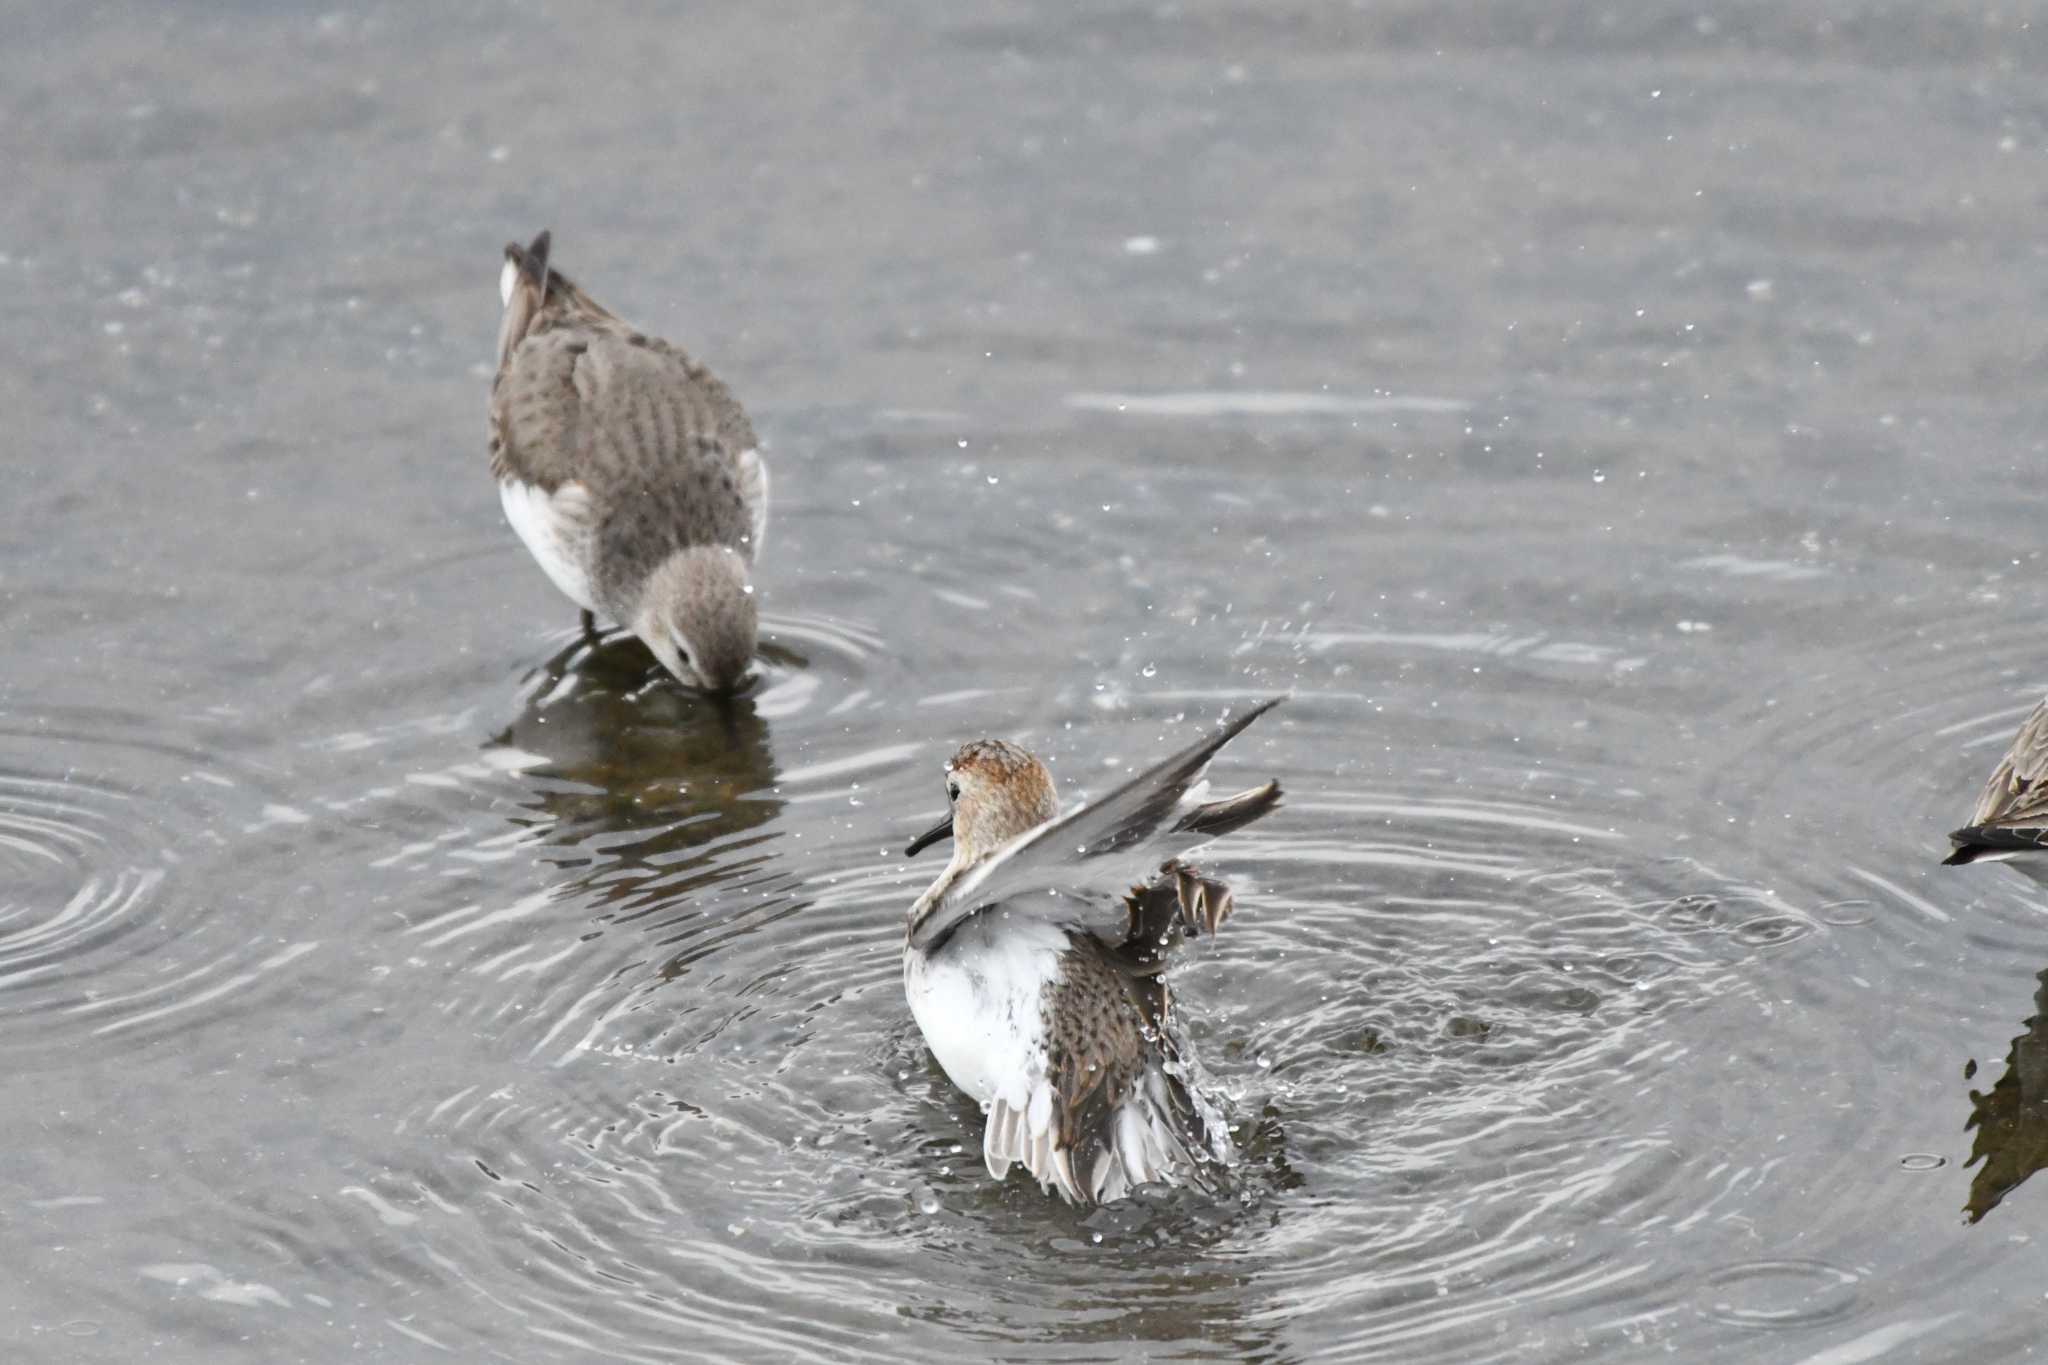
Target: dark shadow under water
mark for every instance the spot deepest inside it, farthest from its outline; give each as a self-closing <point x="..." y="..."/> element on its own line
<point x="647" y="790"/>
<point x="2011" y="1118"/>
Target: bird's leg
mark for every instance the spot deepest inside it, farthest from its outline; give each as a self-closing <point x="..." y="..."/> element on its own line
<point x="590" y="631"/>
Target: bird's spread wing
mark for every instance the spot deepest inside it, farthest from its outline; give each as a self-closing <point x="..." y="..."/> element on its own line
<point x="1065" y="859"/>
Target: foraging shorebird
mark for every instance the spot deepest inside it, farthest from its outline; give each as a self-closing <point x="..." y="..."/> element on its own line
<point x="1043" y="996"/>
<point x="2010" y="823"/>
<point x="629" y="471"/>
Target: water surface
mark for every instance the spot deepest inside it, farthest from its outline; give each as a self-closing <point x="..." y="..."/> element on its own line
<point x="1614" y="429"/>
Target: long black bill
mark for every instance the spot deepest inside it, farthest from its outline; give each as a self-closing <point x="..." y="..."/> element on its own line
<point x="942" y="830"/>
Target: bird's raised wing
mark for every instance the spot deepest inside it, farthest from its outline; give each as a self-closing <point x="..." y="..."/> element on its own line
<point x="1068" y="857"/>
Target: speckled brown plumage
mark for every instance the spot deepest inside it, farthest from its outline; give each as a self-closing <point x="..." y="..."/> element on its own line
<point x="1105" y="1031"/>
<point x="2017" y="792"/>
<point x="629" y="470"/>
<point x="2011" y="818"/>
<point x="1106" y="1016"/>
<point x="1053" y="1015"/>
<point x="654" y="436"/>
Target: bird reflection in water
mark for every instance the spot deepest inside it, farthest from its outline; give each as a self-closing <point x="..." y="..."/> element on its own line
<point x="2011" y="1118"/>
<point x="652" y="794"/>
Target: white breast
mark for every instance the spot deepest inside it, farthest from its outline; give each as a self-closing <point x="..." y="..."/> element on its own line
<point x="979" y="1004"/>
<point x="556" y="529"/>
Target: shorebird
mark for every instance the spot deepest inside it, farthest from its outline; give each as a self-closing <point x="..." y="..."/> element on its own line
<point x="630" y="471"/>
<point x="2010" y="823"/>
<point x="1041" y="991"/>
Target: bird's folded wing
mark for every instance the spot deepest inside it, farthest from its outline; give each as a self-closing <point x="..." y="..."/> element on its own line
<point x="2017" y="793"/>
<point x="583" y="402"/>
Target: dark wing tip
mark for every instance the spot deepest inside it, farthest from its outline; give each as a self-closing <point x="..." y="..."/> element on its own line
<point x="1975" y="841"/>
<point x="532" y="259"/>
<point x="1195" y="757"/>
<point x="1235" y="726"/>
<point x="1257" y="710"/>
<point x="1232" y="812"/>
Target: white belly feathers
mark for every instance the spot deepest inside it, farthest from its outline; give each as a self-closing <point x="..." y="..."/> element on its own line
<point x="979" y="1002"/>
<point x="556" y="529"/>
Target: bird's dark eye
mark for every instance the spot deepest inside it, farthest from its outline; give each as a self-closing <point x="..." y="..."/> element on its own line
<point x="952" y="791"/>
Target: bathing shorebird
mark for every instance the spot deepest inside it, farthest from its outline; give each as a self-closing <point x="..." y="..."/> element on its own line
<point x="1040" y="990"/>
<point x="630" y="472"/>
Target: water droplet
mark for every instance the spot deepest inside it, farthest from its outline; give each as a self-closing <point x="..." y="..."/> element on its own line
<point x="1149" y="671"/>
<point x="1095" y="1237"/>
<point x="928" y="1203"/>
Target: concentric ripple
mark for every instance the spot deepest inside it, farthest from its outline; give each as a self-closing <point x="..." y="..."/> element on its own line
<point x="108" y="928"/>
<point x="1612" y="427"/>
<point x="683" y="1102"/>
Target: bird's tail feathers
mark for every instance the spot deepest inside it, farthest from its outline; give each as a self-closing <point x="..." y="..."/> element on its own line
<point x="523" y="285"/>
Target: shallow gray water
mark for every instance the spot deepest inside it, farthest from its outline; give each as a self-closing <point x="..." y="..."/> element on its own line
<point x="1616" y="428"/>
